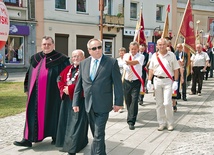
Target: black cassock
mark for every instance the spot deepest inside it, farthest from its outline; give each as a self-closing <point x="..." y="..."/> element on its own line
<point x="72" y="133"/>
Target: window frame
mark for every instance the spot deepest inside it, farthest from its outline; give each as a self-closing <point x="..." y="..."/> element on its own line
<point x="61" y="8"/>
<point x="108" y="7"/>
<point x="131" y="17"/>
<point x="86" y="7"/>
<point x="160" y="11"/>
<point x="12" y="62"/>
<point x="11" y="3"/>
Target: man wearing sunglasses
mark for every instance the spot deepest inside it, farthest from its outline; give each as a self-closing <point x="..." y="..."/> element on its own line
<point x="98" y="76"/>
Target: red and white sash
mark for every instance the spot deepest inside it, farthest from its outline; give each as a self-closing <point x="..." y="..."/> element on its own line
<point x="166" y="71"/>
<point x="138" y="76"/>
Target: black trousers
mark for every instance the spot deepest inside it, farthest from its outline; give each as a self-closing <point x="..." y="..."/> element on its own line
<point x="206" y="74"/>
<point x="184" y="84"/>
<point x="197" y="77"/>
<point x="97" y="123"/>
<point x="131" y="93"/>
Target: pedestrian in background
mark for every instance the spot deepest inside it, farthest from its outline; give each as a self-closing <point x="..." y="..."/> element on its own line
<point x="99" y="75"/>
<point x="163" y="66"/>
<point x="72" y="133"/>
<point x="199" y="63"/>
<point x="208" y="50"/>
<point x="133" y="67"/>
<point x="120" y="59"/>
<point x="143" y="51"/>
<point x="43" y="103"/>
<point x="183" y="59"/>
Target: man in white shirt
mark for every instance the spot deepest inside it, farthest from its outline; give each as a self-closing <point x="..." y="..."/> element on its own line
<point x="199" y="63"/>
<point x="132" y="83"/>
<point x="163" y="84"/>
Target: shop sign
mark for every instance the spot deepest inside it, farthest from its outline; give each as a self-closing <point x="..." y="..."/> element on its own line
<point x="4" y="24"/>
<point x="19" y="30"/>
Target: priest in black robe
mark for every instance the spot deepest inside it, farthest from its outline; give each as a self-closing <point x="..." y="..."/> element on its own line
<point x="72" y="133"/>
<point x="43" y="102"/>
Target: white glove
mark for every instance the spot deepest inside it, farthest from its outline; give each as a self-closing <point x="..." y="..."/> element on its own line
<point x="149" y="85"/>
<point x="175" y="85"/>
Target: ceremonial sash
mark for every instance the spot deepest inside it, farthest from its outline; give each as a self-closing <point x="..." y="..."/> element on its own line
<point x="166" y="71"/>
<point x="138" y="76"/>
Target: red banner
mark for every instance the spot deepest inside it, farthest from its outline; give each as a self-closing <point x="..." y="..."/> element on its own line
<point x="139" y="32"/>
<point x="187" y="27"/>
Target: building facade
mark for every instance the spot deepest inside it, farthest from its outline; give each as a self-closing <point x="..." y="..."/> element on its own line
<point x="21" y="40"/>
<point x="73" y="23"/>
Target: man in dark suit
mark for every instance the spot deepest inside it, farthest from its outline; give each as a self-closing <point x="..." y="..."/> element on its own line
<point x="208" y="50"/>
<point x="98" y="92"/>
<point x="183" y="58"/>
<point x="142" y="50"/>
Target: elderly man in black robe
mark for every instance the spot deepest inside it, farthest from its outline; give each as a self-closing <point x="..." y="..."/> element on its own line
<point x="72" y="133"/>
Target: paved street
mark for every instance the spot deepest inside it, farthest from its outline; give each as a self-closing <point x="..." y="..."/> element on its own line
<point x="193" y="134"/>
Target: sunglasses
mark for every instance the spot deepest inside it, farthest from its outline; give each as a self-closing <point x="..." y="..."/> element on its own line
<point x="95" y="48"/>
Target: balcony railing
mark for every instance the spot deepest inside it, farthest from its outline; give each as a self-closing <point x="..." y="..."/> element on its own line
<point x="113" y="20"/>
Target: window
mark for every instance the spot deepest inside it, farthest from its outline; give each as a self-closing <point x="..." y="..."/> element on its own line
<point x="31" y="9"/>
<point x="108" y="47"/>
<point x="14" y="50"/>
<point x="60" y="4"/>
<point x="108" y="7"/>
<point x="133" y="10"/>
<point x="81" y="5"/>
<point x="12" y="2"/>
<point x="159" y="10"/>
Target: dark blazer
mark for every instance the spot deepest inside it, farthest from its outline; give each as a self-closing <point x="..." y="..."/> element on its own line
<point x="183" y="55"/>
<point x="99" y="93"/>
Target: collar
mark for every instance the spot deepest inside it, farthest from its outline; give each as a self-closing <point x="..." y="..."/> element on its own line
<point x="52" y="59"/>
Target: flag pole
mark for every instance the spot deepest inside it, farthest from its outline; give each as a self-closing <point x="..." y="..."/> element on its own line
<point x="139" y="25"/>
<point x="165" y="24"/>
<point x="176" y="40"/>
<point x="101" y="7"/>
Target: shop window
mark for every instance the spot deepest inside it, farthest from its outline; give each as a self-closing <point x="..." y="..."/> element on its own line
<point x="81" y="5"/>
<point x="60" y="4"/>
<point x="11" y="2"/>
<point x="133" y="11"/>
<point x="159" y="10"/>
<point x="14" y="50"/>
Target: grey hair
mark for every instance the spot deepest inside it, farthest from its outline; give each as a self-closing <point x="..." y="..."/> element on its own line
<point x="94" y="39"/>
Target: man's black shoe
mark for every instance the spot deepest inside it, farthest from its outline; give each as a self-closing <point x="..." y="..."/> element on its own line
<point x="131" y="127"/>
<point x="140" y="102"/>
<point x="184" y="99"/>
<point x="71" y="153"/>
<point x="24" y="143"/>
<point x="53" y="141"/>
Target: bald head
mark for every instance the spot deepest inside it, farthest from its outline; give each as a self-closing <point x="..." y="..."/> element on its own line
<point x="179" y="47"/>
<point x="77" y="56"/>
<point x="199" y="48"/>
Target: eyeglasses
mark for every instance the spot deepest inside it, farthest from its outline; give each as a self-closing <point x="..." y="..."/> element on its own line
<point x="95" y="48"/>
<point x="46" y="44"/>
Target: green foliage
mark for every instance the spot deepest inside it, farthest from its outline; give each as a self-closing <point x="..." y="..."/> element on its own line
<point x="12" y="98"/>
<point x="119" y="15"/>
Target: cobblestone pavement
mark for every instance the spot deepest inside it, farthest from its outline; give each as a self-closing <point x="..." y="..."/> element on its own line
<point x="193" y="134"/>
